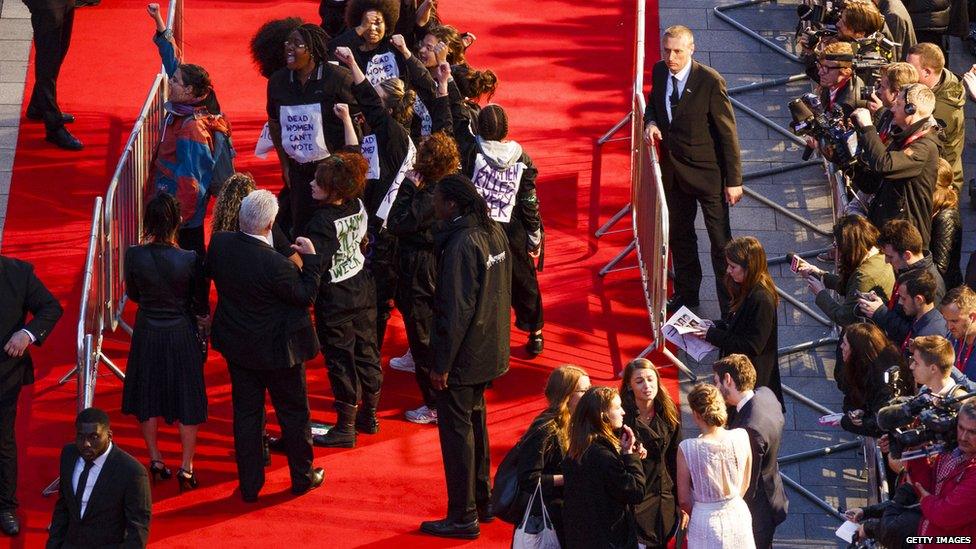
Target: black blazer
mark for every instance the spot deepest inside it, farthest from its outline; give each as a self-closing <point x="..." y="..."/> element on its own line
<point x="261" y="321"/>
<point x="700" y="148"/>
<point x="762" y="418"/>
<point x="21" y="292"/>
<point x="118" y="509"/>
<point x="657" y="515"/>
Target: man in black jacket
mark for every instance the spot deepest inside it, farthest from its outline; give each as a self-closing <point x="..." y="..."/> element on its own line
<point x="262" y="327"/>
<point x="907" y="163"/>
<point x="470" y="343"/>
<point x="690" y="115"/>
<point x="103" y="496"/>
<point x="759" y="413"/>
<point x="22" y="293"/>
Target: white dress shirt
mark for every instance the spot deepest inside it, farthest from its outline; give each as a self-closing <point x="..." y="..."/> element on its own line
<point x="263" y="238"/>
<point x="746" y="396"/>
<point x="682" y="78"/>
<point x="92" y="476"/>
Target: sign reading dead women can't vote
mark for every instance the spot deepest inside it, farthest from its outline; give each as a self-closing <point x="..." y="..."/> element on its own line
<point x="371" y="154"/>
<point x="382" y="67"/>
<point x="302" y="135"/>
<point x="499" y="187"/>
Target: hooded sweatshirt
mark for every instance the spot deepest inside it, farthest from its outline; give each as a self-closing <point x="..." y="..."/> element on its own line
<point x="950" y="98"/>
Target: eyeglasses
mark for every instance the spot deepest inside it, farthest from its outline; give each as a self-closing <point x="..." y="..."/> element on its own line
<point x="290" y="44"/>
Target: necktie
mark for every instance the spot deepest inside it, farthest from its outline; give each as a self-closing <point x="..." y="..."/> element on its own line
<point x="82" y="482"/>
<point x="674" y="95"/>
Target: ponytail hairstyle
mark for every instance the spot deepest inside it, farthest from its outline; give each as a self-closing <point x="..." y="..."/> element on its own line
<point x="561" y="385"/>
<point x="458" y="189"/>
<point x="162" y="219"/>
<point x="437" y="157"/>
<point x="228" y="206"/>
<point x="493" y="123"/>
<point x="342" y="176"/>
<point x="474" y="84"/>
<point x="399" y="100"/>
<point x="590" y="422"/>
<point x="267" y="45"/>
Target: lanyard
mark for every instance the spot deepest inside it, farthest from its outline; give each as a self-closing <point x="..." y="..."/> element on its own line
<point x="960" y="361"/>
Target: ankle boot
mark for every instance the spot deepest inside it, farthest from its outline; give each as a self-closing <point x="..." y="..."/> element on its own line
<point x="366" y="421"/>
<point x="343" y="435"/>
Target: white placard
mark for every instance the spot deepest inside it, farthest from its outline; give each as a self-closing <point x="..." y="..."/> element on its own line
<point x="302" y="135"/>
<point x="371" y="154"/>
<point x="426" y="122"/>
<point x="846" y="531"/>
<point x="264" y="144"/>
<point x="384" y="210"/>
<point x="382" y="66"/>
<point x="499" y="187"/>
<point x="349" y="259"/>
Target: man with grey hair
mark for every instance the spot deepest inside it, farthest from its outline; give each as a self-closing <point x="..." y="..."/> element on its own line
<point x="689" y="114"/>
<point x="263" y="329"/>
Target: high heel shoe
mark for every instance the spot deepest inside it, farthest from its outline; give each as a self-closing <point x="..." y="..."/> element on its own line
<point x="158" y="469"/>
<point x="186" y="479"/>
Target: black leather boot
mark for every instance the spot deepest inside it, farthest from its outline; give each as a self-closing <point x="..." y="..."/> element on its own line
<point x="366" y="421"/>
<point x="343" y="435"/>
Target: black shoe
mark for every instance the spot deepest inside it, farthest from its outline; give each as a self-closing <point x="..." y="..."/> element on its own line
<point x="159" y="470"/>
<point x="318" y="476"/>
<point x="447" y="528"/>
<point x="83" y="3"/>
<point x="249" y="499"/>
<point x="33" y="114"/>
<point x="63" y="138"/>
<point x="343" y="435"/>
<point x="486" y="513"/>
<point x="266" y="449"/>
<point x="9" y="523"/>
<point x="678" y="301"/>
<point x="534" y="345"/>
<point x="186" y="479"/>
<point x="366" y="421"/>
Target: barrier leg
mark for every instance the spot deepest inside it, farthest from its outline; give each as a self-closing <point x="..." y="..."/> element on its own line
<point x="800" y="456"/>
<point x="800" y="347"/>
<point x="613" y="221"/>
<point x="680" y="365"/>
<point x="51" y="488"/>
<point x="803" y="307"/>
<point x="609" y="267"/>
<point x="111" y="366"/>
<point x="830" y="509"/>
<point x="806" y="400"/>
<point x="71" y="373"/>
<point x="616" y="128"/>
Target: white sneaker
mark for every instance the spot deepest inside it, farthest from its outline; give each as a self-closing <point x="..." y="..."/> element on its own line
<point x="422" y="415"/>
<point x="403" y="363"/>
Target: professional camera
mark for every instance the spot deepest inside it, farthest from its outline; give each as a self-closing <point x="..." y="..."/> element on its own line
<point x="872" y="55"/>
<point x="837" y="140"/>
<point x="820" y="12"/>
<point x="933" y="432"/>
<point x="811" y="36"/>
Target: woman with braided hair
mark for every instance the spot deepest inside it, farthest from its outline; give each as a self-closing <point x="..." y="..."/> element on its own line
<point x="301" y="117"/>
<point x="345" y="312"/>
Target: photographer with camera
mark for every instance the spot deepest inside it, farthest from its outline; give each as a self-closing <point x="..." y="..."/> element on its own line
<point x="899" y="23"/>
<point x="862" y="24"/>
<point x="906" y="164"/>
<point x="838" y="83"/>
<point x="950" y="100"/>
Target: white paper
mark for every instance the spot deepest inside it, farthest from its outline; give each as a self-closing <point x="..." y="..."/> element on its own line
<point x="832" y="420"/>
<point x="264" y="144"/>
<point x="846" y="531"/>
<point x="384" y="210"/>
<point x="682" y="323"/>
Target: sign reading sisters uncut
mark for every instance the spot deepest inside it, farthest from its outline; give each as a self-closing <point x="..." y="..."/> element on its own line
<point x="349" y="259"/>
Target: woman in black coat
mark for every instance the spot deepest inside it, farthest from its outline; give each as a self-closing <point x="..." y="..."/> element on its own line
<point x="164" y="373"/>
<point x="946" y="241"/>
<point x="603" y="475"/>
<point x="867" y="354"/>
<point x="751" y="328"/>
<point x="544" y="445"/>
<point x="653" y="416"/>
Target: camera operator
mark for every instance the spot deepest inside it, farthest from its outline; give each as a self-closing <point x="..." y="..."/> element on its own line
<point x="959" y="311"/>
<point x="899" y="24"/>
<point x="862" y="23"/>
<point x="835" y="74"/>
<point x="950" y="99"/>
<point x="906" y="164"/>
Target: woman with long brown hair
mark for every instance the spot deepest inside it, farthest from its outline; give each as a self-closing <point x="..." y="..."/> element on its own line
<point x="653" y="416"/>
<point x="751" y="328"/>
<point x="602" y="473"/>
<point x="544" y="445"/>
<point x="867" y="354"/>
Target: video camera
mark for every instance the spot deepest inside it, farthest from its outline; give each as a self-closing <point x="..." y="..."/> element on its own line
<point x="935" y="430"/>
<point x="829" y="127"/>
<point x="820" y="12"/>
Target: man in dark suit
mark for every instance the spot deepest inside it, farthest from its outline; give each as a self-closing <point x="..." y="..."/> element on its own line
<point x="690" y="116"/>
<point x="759" y="413"/>
<point x="52" y="21"/>
<point x="21" y="292"/>
<point x="103" y="498"/>
<point x="262" y="327"/>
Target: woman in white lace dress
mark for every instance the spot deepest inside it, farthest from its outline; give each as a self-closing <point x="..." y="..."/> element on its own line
<point x="713" y="475"/>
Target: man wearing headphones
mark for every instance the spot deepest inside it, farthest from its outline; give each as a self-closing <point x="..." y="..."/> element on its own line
<point x="907" y="164"/>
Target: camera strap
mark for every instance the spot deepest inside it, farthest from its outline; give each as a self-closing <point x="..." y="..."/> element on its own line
<point x="961" y="361"/>
<point x="912" y="138"/>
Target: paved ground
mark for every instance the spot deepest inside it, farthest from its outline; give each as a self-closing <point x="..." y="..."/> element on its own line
<point x="15" y="37"/>
<point x="838" y="479"/>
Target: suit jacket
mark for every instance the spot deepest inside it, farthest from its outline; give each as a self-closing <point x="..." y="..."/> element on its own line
<point x="262" y="320"/>
<point x="118" y="511"/>
<point x="21" y="292"/>
<point x="699" y="147"/>
<point x="763" y="418"/>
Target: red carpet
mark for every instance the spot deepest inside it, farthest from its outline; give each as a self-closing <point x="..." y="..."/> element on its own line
<point x="565" y="73"/>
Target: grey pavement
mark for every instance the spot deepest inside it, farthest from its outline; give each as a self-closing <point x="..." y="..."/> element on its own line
<point x="15" y="37"/>
<point x="840" y="478"/>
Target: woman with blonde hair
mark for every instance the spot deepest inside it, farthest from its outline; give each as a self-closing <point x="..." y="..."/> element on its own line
<point x="544" y="445"/>
<point x="653" y="416"/>
<point x="602" y="474"/>
<point x="720" y="462"/>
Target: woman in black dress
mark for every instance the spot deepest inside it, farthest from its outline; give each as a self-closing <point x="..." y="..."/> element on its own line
<point x="751" y="328"/>
<point x="164" y="374"/>
<point x="544" y="445"/>
<point x="653" y="416"/>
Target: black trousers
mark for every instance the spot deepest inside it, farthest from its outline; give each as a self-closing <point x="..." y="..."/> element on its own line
<point x="300" y="206"/>
<point x="8" y="447"/>
<point x="52" y="36"/>
<point x="351" y="356"/>
<point x="682" y="210"/>
<point x="289" y="396"/>
<point x="526" y="297"/>
<point x="382" y="264"/>
<point x="415" y="299"/>
<point x="461" y="423"/>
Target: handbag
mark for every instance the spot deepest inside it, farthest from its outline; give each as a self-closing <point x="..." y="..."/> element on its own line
<point x="507" y="501"/>
<point x="535" y="532"/>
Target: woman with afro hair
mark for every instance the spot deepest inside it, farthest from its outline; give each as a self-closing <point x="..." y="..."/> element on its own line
<point x="414" y="17"/>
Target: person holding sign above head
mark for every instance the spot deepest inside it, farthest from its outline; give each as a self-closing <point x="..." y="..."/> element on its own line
<point x="345" y="313"/>
<point x="303" y="124"/>
<point x="505" y="176"/>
